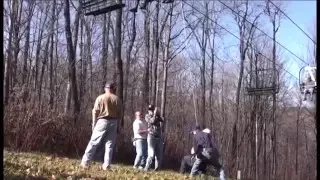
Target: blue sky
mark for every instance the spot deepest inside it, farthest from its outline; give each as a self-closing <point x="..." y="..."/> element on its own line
<point x="302" y="13"/>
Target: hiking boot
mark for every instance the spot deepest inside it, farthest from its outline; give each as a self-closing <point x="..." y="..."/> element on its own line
<point x="105" y="167"/>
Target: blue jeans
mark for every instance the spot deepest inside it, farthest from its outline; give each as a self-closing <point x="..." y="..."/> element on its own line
<point x="105" y="131"/>
<point x="142" y="152"/>
<point x="155" y="151"/>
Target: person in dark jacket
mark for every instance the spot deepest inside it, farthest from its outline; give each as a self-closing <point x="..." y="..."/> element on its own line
<point x="206" y="153"/>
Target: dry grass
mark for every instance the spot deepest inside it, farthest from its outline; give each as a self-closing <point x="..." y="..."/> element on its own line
<point x="51" y="132"/>
<point x="43" y="166"/>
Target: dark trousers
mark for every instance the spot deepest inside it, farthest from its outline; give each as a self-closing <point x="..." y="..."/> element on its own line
<point x="187" y="163"/>
<point x="208" y="157"/>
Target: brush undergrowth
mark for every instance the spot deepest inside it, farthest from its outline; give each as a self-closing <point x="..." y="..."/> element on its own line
<point x="43" y="166"/>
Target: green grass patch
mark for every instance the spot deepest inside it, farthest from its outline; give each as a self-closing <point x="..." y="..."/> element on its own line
<point x="43" y="166"/>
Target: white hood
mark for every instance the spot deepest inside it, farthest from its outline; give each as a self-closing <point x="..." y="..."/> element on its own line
<point x="206" y="130"/>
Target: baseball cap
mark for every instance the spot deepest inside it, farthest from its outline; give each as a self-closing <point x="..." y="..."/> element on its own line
<point x="197" y="127"/>
<point x="109" y="85"/>
<point x="151" y="107"/>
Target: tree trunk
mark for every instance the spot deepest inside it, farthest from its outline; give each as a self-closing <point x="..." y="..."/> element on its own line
<point x="88" y="57"/>
<point x="7" y="73"/>
<point x="211" y="78"/>
<point x="105" y="46"/>
<point x="82" y="67"/>
<point x="118" y="56"/>
<point x="203" y="67"/>
<point x="76" y="26"/>
<point x="297" y="140"/>
<point x="51" y="95"/>
<point x="145" y="96"/>
<point x="72" y="82"/>
<point x="71" y="59"/>
<point x="165" y="69"/>
<point x="16" y="48"/>
<point x="27" y="43"/>
<point x="38" y="49"/>
<point x="156" y="55"/>
<point x="44" y="62"/>
<point x="131" y="43"/>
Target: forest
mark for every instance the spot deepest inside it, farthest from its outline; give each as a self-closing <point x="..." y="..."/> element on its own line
<point x="194" y="60"/>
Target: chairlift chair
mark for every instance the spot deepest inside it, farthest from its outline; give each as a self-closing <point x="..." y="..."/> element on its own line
<point x="144" y="4"/>
<point x="97" y="7"/>
<point x="167" y="1"/>
<point x="308" y="82"/>
<point x="261" y="82"/>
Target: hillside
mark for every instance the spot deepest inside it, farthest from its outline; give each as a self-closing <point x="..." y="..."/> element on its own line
<point x="42" y="166"/>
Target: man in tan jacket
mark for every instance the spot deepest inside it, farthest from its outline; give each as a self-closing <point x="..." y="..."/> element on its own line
<point x="105" y="116"/>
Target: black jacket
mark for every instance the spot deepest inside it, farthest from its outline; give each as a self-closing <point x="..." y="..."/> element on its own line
<point x="202" y="140"/>
<point x="155" y="124"/>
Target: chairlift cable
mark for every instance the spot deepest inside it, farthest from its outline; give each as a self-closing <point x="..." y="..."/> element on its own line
<point x="265" y="33"/>
<point x="292" y="21"/>
<point x="239" y="39"/>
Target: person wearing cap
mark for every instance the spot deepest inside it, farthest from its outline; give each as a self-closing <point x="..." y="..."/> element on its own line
<point x="154" y="139"/>
<point x="206" y="153"/>
<point x="105" y="116"/>
<point x="140" y="132"/>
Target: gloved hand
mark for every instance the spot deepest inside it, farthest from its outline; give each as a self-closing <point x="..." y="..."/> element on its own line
<point x="192" y="151"/>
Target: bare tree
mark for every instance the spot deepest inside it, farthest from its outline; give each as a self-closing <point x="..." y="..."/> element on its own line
<point x="71" y="59"/>
<point x="31" y="7"/>
<point x="118" y="55"/>
<point x="147" y="58"/>
<point x="129" y="59"/>
<point x="7" y="72"/>
<point x="202" y="43"/>
<point x="245" y="33"/>
<point x="155" y="71"/>
<point x="53" y="19"/>
<point x="17" y="23"/>
<point x="39" y="44"/>
<point x="105" y="44"/>
<point x="275" y="18"/>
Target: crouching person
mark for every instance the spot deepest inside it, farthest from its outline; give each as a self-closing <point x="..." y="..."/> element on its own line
<point x="140" y="132"/>
<point x="206" y="153"/>
<point x="188" y="161"/>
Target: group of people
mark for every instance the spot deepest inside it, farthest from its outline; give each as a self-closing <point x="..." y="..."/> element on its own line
<point x="147" y="138"/>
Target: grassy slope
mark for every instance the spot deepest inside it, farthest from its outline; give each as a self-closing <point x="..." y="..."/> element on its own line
<point x="42" y="166"/>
